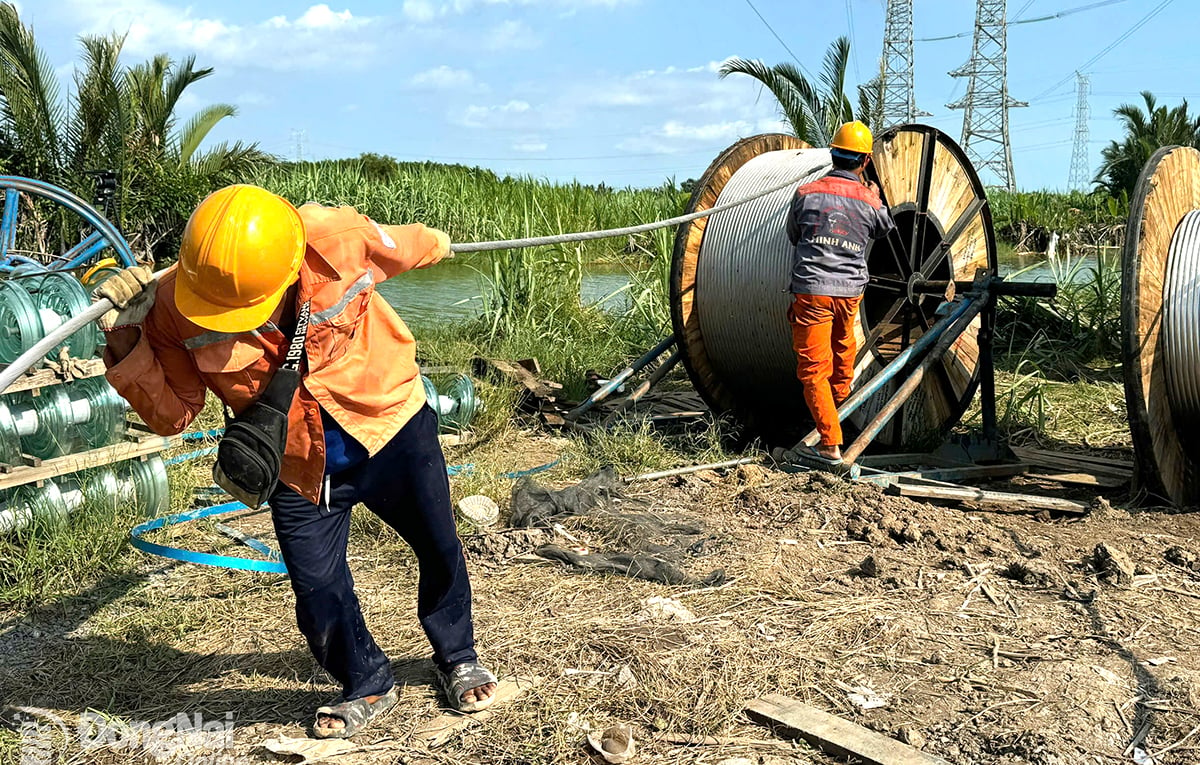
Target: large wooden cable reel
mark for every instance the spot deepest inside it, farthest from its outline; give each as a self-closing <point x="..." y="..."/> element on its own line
<point x="1160" y="314"/>
<point x="730" y="277"/>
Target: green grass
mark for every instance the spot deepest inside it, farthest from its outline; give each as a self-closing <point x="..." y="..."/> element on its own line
<point x="473" y="204"/>
<point x="1027" y="219"/>
<point x="1075" y="334"/>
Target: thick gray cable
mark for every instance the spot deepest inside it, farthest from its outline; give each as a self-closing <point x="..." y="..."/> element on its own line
<point x="1180" y="333"/>
<point x="585" y="236"/>
<point x="34" y="355"/>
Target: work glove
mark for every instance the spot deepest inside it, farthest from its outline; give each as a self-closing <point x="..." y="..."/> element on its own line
<point x="132" y="294"/>
<point x="443" y="243"/>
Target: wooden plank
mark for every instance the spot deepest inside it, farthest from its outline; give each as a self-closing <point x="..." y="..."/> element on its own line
<point x="44" y="377"/>
<point x="964" y="473"/>
<point x="912" y="458"/>
<point x="1076" y="462"/>
<point x="1081" y="479"/>
<point x="536" y="387"/>
<point x="833" y="734"/>
<point x="442" y="728"/>
<point x="1014" y="503"/>
<point x="73" y="463"/>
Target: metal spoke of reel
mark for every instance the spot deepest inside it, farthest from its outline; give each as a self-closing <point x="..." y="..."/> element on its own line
<point x="102" y="236"/>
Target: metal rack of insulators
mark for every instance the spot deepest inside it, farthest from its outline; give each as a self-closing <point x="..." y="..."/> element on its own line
<point x="65" y="443"/>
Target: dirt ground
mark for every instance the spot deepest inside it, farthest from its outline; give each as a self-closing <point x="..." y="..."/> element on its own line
<point x="981" y="637"/>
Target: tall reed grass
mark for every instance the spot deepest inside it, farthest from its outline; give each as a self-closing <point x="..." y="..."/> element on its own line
<point x="473" y="204"/>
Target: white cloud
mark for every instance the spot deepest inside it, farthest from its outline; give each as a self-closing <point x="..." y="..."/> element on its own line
<point x="442" y="78"/>
<point x="424" y="11"/>
<point x="321" y="16"/>
<point x="491" y="116"/>
<point x="420" y="11"/>
<point x="531" y="145"/>
<point x="319" y="37"/>
<point x="511" y="35"/>
<point x="251" y="99"/>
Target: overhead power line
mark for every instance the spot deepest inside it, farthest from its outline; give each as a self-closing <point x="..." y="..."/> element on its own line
<point x="1124" y="36"/>
<point x="1015" y="22"/>
<point x="767" y="24"/>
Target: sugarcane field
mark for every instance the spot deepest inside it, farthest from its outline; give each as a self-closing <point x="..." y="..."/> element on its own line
<point x="523" y="382"/>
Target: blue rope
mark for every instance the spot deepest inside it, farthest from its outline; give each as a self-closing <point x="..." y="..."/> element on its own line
<point x="273" y="566"/>
<point x="188" y="456"/>
<point x="200" y="435"/>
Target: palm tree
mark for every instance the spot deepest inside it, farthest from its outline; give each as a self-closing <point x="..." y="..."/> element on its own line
<point x="121" y="118"/>
<point x="1145" y="132"/>
<point x="814" y="111"/>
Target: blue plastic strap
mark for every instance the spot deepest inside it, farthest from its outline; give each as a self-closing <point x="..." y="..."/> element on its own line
<point x="190" y="556"/>
<point x="187" y="456"/>
<point x="200" y="435"/>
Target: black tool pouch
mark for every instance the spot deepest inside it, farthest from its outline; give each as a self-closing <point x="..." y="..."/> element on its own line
<point x="250" y="454"/>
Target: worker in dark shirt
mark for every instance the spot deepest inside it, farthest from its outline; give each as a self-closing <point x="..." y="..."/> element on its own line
<point x="831" y="222"/>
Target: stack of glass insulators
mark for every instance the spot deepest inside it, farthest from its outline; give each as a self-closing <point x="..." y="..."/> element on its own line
<point x="141" y="483"/>
<point x="60" y="419"/>
<point x="33" y="304"/>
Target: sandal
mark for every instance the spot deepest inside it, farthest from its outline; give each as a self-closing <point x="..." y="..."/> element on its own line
<point x="462" y="678"/>
<point x="354" y="714"/>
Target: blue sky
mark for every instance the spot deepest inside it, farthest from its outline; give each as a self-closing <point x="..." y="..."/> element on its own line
<point x="621" y="91"/>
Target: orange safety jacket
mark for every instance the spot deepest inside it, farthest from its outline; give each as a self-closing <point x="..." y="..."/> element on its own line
<point x="361" y="358"/>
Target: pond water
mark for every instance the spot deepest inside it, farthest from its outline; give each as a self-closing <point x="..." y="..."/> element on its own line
<point x="453" y="291"/>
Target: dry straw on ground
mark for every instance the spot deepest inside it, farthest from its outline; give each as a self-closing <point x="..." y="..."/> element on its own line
<point x="990" y="637"/>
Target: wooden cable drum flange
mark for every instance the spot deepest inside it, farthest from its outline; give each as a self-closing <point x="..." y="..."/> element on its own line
<point x="730" y="278"/>
<point x="1160" y="316"/>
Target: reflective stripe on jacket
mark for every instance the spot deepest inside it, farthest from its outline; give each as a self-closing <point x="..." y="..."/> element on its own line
<point x="831" y="221"/>
<point x="361" y="358"/>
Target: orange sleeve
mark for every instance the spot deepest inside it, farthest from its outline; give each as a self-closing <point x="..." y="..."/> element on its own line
<point x="159" y="381"/>
<point x="395" y="249"/>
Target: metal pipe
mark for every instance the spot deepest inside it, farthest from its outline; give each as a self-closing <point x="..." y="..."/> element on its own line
<point x="693" y="469"/>
<point x="987" y="371"/>
<point x="606" y="390"/>
<point x="655" y="377"/>
<point x="912" y="382"/>
<point x="872" y="386"/>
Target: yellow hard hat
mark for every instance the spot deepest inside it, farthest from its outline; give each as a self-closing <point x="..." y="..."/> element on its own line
<point x="241" y="250"/>
<point x="853" y="137"/>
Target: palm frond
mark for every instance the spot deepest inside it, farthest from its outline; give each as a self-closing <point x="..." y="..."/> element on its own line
<point x="198" y="127"/>
<point x="32" y="109"/>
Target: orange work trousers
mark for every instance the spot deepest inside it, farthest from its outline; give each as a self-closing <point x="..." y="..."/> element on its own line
<point x="823" y="338"/>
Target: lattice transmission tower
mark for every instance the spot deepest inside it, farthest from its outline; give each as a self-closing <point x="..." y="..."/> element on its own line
<point x="986" y="104"/>
<point x="899" y="105"/>
<point x="1081" y="173"/>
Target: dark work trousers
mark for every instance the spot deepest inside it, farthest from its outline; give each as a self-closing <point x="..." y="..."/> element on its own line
<point x="405" y="484"/>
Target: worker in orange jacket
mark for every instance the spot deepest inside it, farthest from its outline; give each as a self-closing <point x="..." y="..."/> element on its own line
<point x="830" y="224"/>
<point x="256" y="275"/>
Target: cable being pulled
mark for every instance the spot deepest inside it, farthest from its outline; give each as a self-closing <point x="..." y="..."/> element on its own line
<point x="585" y="236"/>
<point x="33" y="356"/>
